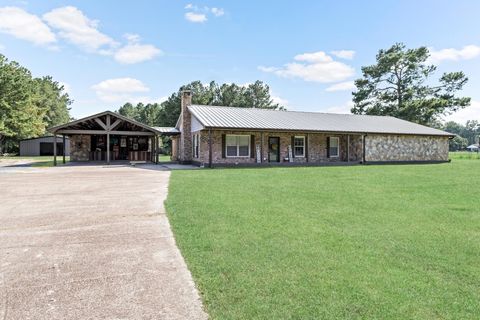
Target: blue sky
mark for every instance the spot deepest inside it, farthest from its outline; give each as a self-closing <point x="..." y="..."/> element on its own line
<point x="309" y="52"/>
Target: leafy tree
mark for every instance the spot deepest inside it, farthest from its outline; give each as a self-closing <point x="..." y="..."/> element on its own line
<point x="457" y="143"/>
<point x="51" y="97"/>
<point x="399" y="85"/>
<point x="28" y="105"/>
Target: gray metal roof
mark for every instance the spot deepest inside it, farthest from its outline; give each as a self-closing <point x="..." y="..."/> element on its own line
<point x="264" y="119"/>
<point x="166" y="129"/>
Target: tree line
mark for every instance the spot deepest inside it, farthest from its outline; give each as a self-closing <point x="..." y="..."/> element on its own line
<point x="165" y="114"/>
<point x="465" y="134"/>
<point x="28" y="105"/>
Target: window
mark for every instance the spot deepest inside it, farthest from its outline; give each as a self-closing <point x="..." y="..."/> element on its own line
<point x="334" y="147"/>
<point x="196" y="145"/>
<point x="237" y="145"/>
<point x="299" y="146"/>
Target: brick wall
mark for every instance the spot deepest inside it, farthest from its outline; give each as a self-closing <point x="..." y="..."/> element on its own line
<point x="317" y="147"/>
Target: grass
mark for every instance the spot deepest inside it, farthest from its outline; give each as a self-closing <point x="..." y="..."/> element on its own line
<point x="37" y="161"/>
<point x="464" y="155"/>
<point x="360" y="242"/>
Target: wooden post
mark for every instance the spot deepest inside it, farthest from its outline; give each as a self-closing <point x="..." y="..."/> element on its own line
<point x="155" y="139"/>
<point x="55" y="148"/>
<point x="261" y="147"/>
<point x="108" y="139"/>
<point x="209" y="148"/>
<point x="348" y="148"/>
<point x="64" y="147"/>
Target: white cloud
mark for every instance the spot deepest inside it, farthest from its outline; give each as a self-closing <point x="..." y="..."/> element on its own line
<point x="66" y="87"/>
<point x="279" y="100"/>
<point x="315" y="67"/>
<point x="78" y="29"/>
<point x="195" y="17"/>
<point x="119" y="89"/>
<point x="218" y="12"/>
<point x="23" y="25"/>
<point x="471" y="112"/>
<point x="344" y="54"/>
<point x="135" y="52"/>
<point x="466" y="53"/>
<point x="341" y="86"/>
<point x="345" y="108"/>
<point x="198" y="14"/>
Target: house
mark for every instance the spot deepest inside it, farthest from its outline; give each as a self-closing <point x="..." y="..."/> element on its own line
<point x="42" y="146"/>
<point x="226" y="136"/>
<point x="473" y="148"/>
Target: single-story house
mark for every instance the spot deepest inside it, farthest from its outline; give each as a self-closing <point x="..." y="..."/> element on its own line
<point x="43" y="146"/>
<point x="223" y="136"/>
<point x="227" y="136"/>
<point x="473" y="148"/>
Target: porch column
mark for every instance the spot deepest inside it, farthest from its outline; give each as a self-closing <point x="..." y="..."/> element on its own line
<point x="155" y="139"/>
<point x="108" y="139"/>
<point x="261" y="147"/>
<point x="55" y="148"/>
<point x="209" y="148"/>
<point x="348" y="148"/>
<point x="64" y="147"/>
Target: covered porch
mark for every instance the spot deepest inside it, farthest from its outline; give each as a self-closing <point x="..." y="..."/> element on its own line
<point x="109" y="137"/>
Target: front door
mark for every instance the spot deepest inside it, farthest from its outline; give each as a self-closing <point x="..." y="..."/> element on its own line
<point x="273" y="149"/>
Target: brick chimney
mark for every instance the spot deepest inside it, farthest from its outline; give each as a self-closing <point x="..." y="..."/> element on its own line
<point x="185" y="154"/>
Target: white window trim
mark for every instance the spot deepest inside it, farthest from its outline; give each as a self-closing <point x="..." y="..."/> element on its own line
<point x="303" y="148"/>
<point x="196" y="145"/>
<point x="338" y="147"/>
<point x="238" y="146"/>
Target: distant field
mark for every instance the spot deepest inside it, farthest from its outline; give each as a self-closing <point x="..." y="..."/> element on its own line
<point x="360" y="242"/>
<point x="464" y="155"/>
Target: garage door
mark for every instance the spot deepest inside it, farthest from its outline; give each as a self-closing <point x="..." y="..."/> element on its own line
<point x="46" y="148"/>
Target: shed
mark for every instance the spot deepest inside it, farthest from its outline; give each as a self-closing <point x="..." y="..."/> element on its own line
<point x="43" y="146"/>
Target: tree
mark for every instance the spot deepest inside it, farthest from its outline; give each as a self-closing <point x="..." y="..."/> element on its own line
<point x="28" y="105"/>
<point x="457" y="143"/>
<point x="51" y="97"/>
<point x="399" y="85"/>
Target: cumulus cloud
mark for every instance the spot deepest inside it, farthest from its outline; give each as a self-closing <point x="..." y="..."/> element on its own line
<point x="466" y="53"/>
<point x="122" y="90"/>
<point x="344" y="54"/>
<point x="342" y="86"/>
<point x="315" y="67"/>
<point x="198" y="14"/>
<point x="134" y="52"/>
<point x="23" y="25"/>
<point x="471" y="112"/>
<point x="195" y="17"/>
<point x="78" y="29"/>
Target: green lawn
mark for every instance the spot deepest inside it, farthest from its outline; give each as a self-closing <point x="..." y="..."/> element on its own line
<point x="464" y="155"/>
<point x="359" y="242"/>
<point x="38" y="161"/>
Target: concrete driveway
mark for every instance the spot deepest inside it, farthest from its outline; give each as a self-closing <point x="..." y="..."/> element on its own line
<point x="90" y="242"/>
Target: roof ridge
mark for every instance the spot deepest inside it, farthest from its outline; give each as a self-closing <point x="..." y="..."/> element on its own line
<point x="292" y="111"/>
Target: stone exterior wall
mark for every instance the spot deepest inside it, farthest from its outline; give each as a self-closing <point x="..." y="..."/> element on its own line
<point x="405" y="148"/>
<point x="185" y="141"/>
<point x="317" y="147"/>
<point x="80" y="147"/>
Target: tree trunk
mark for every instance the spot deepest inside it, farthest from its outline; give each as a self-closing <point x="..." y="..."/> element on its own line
<point x="1" y="145"/>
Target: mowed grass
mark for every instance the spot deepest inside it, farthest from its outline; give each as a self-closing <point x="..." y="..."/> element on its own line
<point x="360" y="242"/>
<point x="464" y="155"/>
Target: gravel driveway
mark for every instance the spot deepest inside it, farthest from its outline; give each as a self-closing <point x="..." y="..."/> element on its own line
<point x="90" y="242"/>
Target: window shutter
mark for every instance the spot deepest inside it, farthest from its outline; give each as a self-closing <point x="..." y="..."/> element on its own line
<point x="223" y="146"/>
<point x="293" y="146"/>
<point x="328" y="147"/>
<point x="252" y="146"/>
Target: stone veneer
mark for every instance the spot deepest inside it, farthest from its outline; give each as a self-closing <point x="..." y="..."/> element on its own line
<point x="80" y="148"/>
<point x="406" y="148"/>
<point x="317" y="147"/>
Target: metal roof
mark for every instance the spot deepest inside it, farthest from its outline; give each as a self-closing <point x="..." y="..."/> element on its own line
<point x="265" y="119"/>
<point x="167" y="130"/>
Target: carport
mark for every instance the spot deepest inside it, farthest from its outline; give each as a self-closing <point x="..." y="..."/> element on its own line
<point x="108" y="136"/>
